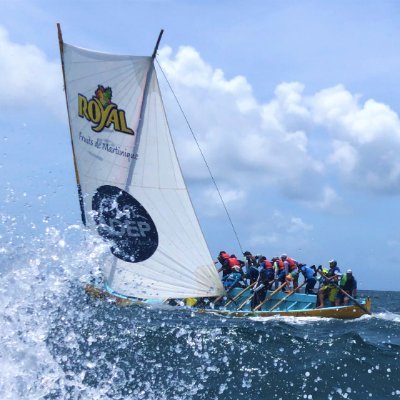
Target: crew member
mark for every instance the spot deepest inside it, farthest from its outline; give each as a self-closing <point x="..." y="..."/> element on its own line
<point x="329" y="288"/>
<point x="349" y="284"/>
<point x="250" y="267"/>
<point x="264" y="283"/>
<point x="309" y="276"/>
<point x="291" y="268"/>
<point x="223" y="258"/>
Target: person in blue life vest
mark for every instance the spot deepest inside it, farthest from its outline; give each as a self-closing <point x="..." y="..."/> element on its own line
<point x="250" y="267"/>
<point x="349" y="284"/>
<point x="309" y="276"/>
<point x="234" y="279"/>
<point x="329" y="290"/>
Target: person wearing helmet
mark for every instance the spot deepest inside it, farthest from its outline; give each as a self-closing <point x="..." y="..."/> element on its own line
<point x="329" y="290"/>
<point x="349" y="284"/>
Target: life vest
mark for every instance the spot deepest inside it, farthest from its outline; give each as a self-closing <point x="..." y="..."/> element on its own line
<point x="267" y="264"/>
<point x="292" y="264"/>
<point x="347" y="283"/>
<point x="279" y="264"/>
<point x="233" y="261"/>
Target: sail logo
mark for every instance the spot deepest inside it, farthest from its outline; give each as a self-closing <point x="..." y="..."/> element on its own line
<point x="130" y="228"/>
<point x="123" y="222"/>
<point x="102" y="111"/>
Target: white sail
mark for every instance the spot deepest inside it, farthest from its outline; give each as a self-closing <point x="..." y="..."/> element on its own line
<point x="133" y="192"/>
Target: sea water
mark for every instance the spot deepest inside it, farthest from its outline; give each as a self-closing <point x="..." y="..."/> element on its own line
<point x="56" y="343"/>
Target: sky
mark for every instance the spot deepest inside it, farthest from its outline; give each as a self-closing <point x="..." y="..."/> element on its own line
<point x="295" y="106"/>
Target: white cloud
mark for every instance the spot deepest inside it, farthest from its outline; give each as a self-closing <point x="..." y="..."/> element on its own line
<point x="233" y="199"/>
<point x="28" y="79"/>
<point x="296" y="224"/>
<point x="292" y="142"/>
<point x="328" y="199"/>
<point x="277" y="232"/>
<point x="344" y="155"/>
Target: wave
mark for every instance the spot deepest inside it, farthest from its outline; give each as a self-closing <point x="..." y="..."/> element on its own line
<point x="58" y="344"/>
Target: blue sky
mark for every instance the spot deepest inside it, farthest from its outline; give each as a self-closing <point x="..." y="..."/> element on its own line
<point x="295" y="104"/>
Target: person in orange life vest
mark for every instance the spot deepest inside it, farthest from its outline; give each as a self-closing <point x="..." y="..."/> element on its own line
<point x="233" y="261"/>
<point x="264" y="282"/>
<point x="291" y="268"/>
<point x="267" y="272"/>
<point x="223" y="258"/>
<point x="280" y="272"/>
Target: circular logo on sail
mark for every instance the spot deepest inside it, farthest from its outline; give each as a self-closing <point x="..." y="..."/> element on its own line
<point x="121" y="219"/>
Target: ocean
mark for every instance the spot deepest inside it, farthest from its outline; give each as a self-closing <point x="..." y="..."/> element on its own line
<point x="56" y="343"/>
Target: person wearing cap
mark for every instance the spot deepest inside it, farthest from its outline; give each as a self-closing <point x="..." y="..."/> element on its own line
<point x="349" y="284"/>
<point x="329" y="290"/>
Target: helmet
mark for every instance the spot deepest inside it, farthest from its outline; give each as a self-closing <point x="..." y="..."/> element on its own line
<point x="349" y="271"/>
<point x="333" y="263"/>
<point x="247" y="253"/>
<point x="283" y="256"/>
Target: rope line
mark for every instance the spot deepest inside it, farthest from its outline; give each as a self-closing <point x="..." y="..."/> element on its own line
<point x="202" y="155"/>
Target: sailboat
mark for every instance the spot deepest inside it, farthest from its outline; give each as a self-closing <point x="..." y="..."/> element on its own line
<point x="132" y="192"/>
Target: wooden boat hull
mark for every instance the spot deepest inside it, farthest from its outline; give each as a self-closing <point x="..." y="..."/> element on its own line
<point x="342" y="312"/>
<point x="305" y="305"/>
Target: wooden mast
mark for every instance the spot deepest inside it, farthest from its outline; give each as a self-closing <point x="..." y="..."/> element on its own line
<point x="61" y="44"/>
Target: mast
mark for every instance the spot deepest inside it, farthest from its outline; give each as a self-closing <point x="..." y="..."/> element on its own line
<point x="81" y="204"/>
<point x="142" y="111"/>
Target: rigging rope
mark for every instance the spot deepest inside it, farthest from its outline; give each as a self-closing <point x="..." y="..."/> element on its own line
<point x="202" y="155"/>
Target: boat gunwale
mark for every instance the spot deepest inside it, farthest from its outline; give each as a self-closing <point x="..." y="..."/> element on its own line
<point x="350" y="311"/>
